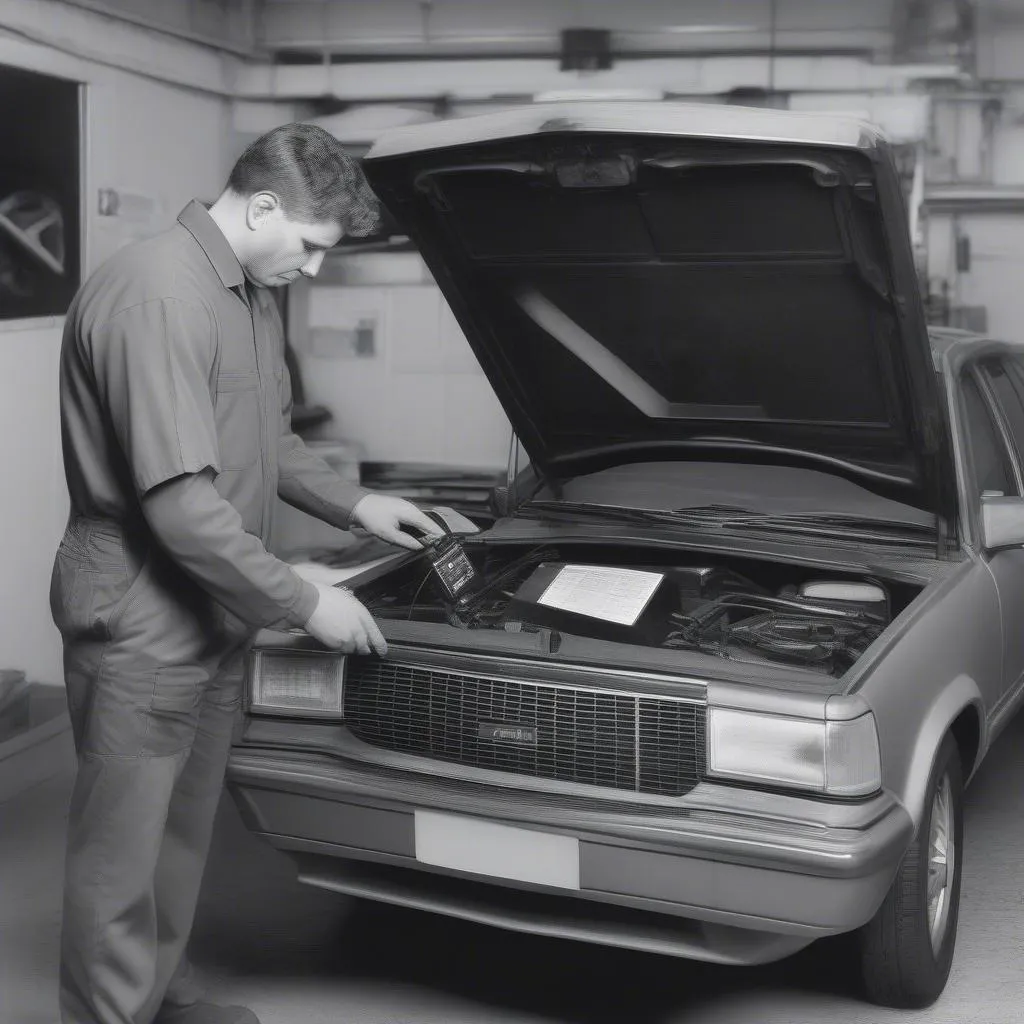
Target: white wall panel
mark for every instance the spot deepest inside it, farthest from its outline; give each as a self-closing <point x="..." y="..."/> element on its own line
<point x="250" y="120"/>
<point x="411" y="419"/>
<point x="108" y="43"/>
<point x="476" y="428"/>
<point x="456" y="355"/>
<point x="414" y="330"/>
<point x="355" y="393"/>
<point x="422" y="397"/>
<point x="1008" y="138"/>
<point x="902" y="117"/>
<point x="940" y="242"/>
<point x="1000" y="40"/>
<point x="996" y="272"/>
<point x="224" y="22"/>
<point x="33" y="498"/>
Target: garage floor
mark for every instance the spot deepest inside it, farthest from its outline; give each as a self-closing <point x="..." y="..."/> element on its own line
<point x="298" y="955"/>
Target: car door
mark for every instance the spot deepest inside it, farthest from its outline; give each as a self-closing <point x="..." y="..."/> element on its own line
<point x="1002" y="394"/>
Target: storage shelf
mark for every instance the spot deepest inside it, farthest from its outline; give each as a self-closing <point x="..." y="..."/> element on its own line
<point x="41" y="750"/>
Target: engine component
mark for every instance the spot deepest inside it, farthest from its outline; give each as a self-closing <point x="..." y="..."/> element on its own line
<point x="603" y="601"/>
<point x="871" y="597"/>
<point x="823" y="623"/>
<point x="828" y="624"/>
<point x="851" y="593"/>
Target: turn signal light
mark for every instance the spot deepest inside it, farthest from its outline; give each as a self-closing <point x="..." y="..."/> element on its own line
<point x="296" y="683"/>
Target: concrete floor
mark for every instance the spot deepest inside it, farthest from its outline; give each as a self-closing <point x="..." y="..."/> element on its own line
<point x="299" y="956"/>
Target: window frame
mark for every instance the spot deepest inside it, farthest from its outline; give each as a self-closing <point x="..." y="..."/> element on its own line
<point x="974" y="371"/>
<point x="1016" y="377"/>
<point x="78" y="239"/>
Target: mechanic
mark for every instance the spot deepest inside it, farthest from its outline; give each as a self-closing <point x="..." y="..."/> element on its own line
<point x="176" y="429"/>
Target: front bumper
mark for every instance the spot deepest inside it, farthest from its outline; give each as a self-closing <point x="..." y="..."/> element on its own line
<point x="726" y="876"/>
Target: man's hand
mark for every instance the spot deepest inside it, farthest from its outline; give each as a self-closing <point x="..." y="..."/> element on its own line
<point x="342" y="623"/>
<point x="383" y="514"/>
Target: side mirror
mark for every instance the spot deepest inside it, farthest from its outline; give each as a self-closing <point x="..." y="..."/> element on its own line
<point x="1002" y="522"/>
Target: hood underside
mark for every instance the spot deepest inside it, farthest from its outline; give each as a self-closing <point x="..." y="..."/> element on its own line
<point x="634" y="287"/>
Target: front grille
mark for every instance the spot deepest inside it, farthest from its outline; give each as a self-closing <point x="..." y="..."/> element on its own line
<point x="633" y="742"/>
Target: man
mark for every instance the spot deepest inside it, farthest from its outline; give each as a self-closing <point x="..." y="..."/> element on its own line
<point x="175" y="412"/>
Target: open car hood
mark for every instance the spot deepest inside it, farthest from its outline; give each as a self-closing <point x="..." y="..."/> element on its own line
<point x="662" y="281"/>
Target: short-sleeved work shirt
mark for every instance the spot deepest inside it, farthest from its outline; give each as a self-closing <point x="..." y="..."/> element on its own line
<point x="172" y="364"/>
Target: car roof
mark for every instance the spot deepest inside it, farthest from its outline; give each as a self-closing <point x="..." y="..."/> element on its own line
<point x="944" y="338"/>
<point x="956" y="346"/>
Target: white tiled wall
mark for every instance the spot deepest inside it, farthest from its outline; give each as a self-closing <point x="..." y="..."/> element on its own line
<point x="421" y="397"/>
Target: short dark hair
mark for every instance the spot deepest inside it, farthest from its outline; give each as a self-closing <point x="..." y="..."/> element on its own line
<point x="312" y="175"/>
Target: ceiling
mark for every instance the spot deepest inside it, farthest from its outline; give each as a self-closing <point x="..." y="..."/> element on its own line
<point x="308" y="31"/>
<point x="360" y="29"/>
<point x="472" y="27"/>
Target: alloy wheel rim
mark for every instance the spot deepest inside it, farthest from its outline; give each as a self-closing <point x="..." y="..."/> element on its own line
<point x="941" y="862"/>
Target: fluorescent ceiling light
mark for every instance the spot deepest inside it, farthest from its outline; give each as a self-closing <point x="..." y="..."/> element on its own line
<point x="567" y="95"/>
<point x="695" y="29"/>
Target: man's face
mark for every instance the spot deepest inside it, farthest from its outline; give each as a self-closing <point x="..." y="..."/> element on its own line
<point x="282" y="249"/>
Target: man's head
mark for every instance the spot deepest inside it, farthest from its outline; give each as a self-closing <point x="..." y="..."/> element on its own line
<point x="291" y="196"/>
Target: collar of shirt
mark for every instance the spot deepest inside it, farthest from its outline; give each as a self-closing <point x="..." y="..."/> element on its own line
<point x="196" y="219"/>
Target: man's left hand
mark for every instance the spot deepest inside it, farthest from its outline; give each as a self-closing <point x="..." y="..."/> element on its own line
<point x="383" y="515"/>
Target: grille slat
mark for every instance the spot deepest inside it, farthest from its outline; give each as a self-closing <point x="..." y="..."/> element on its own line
<point x="580" y="735"/>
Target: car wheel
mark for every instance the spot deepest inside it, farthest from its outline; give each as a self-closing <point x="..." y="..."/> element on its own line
<point x="907" y="947"/>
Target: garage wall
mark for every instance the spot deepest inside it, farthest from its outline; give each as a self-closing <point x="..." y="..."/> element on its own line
<point x="165" y="144"/>
<point x="161" y="129"/>
<point x="411" y="389"/>
<point x="1000" y="38"/>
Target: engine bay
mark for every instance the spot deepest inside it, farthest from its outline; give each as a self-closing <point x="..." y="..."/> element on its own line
<point x="740" y="609"/>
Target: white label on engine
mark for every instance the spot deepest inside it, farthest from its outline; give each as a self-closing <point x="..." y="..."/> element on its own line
<point x="603" y="592"/>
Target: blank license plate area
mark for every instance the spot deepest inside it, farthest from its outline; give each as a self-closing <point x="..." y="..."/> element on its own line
<point x="500" y="851"/>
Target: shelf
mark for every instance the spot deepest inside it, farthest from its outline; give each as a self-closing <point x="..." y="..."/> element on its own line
<point x="41" y="750"/>
<point x="974" y="199"/>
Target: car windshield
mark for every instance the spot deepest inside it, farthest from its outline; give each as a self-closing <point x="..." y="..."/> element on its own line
<point x="730" y="496"/>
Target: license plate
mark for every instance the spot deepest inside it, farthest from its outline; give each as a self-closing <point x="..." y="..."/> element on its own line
<point x="499" y="851"/>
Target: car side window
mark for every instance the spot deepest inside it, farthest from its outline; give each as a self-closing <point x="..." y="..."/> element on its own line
<point x="1007" y="389"/>
<point x="992" y="470"/>
<point x="1006" y="382"/>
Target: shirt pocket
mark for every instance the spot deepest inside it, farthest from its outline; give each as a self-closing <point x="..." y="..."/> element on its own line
<point x="237" y="414"/>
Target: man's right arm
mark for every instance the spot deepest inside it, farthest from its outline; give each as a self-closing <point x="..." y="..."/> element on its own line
<point x="203" y="533"/>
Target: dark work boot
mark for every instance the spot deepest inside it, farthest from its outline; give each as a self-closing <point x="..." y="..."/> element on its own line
<point x="204" y="1013"/>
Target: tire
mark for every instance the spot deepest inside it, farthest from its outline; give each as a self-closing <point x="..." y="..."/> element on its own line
<point x="901" y="966"/>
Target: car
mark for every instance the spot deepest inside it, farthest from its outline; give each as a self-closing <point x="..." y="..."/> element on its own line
<point x="747" y="618"/>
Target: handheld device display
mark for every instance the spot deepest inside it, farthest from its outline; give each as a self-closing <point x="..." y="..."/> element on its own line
<point x="453" y="574"/>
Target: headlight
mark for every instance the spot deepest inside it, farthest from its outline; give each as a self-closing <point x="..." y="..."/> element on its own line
<point x="296" y="683"/>
<point x="838" y="758"/>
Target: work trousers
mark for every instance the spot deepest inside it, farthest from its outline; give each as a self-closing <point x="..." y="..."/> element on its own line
<point x="154" y="691"/>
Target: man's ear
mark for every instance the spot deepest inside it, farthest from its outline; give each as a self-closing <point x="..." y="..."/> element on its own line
<point x="262" y="207"/>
